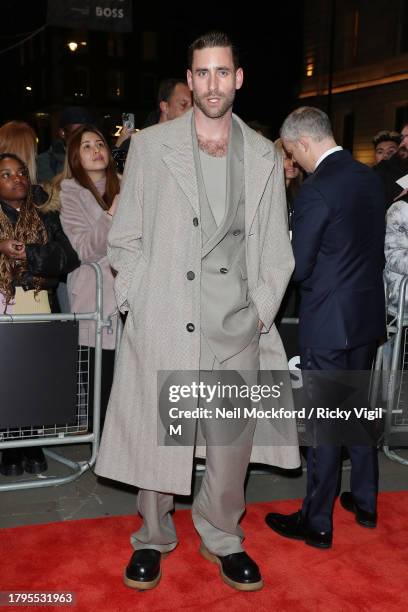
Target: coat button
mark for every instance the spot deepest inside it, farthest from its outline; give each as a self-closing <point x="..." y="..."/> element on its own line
<point x="190" y="327"/>
<point x="190" y="275"/>
<point x="236" y="232"/>
<point x="195" y="222"/>
<point x="223" y="270"/>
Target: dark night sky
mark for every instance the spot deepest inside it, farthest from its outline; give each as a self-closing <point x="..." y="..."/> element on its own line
<point x="270" y="45"/>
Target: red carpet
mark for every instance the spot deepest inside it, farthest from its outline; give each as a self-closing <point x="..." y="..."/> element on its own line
<point x="365" y="570"/>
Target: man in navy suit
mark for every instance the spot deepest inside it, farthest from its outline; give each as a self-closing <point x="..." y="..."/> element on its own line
<point x="338" y="242"/>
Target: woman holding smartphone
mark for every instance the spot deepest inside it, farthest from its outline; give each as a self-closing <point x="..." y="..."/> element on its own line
<point x="88" y="203"/>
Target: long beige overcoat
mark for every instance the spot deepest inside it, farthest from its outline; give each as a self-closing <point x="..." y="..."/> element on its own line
<point x="154" y="241"/>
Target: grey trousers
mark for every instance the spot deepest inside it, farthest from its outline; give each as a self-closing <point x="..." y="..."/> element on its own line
<point x="220" y="501"/>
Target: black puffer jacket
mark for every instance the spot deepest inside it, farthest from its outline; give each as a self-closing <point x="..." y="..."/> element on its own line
<point x="49" y="260"/>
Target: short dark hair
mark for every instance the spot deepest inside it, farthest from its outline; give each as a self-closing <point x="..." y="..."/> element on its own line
<point x="75" y="114"/>
<point x="210" y="40"/>
<point x="386" y="136"/>
<point x="166" y="88"/>
<point x="16" y="158"/>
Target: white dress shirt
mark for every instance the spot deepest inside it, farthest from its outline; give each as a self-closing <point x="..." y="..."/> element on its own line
<point x="327" y="153"/>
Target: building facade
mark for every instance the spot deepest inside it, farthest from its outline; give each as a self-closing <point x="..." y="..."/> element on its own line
<point x="356" y="67"/>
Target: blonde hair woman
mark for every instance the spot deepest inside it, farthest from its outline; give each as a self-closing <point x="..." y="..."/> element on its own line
<point x="18" y="137"/>
<point x="293" y="178"/>
<point x="293" y="181"/>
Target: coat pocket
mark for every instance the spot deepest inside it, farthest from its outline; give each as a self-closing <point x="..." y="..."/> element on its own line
<point x="135" y="297"/>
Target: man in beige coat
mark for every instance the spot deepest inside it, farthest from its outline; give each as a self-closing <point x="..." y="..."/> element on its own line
<point x="201" y="248"/>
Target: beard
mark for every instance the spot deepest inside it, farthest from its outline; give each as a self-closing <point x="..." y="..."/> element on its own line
<point x="227" y="101"/>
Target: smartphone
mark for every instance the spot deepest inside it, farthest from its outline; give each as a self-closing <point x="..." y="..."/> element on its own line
<point x="128" y="121"/>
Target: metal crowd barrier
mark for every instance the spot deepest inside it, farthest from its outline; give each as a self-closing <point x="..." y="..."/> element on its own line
<point x="72" y="433"/>
<point x="394" y="358"/>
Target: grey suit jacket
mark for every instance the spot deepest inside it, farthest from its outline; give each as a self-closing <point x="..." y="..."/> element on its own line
<point x="229" y="319"/>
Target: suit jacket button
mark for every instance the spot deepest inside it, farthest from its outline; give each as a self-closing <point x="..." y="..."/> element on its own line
<point x="190" y="275"/>
<point x="223" y="270"/>
<point x="190" y="327"/>
<point x="236" y="232"/>
<point x="195" y="222"/>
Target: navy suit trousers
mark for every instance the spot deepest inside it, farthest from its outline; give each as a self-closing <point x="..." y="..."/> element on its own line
<point x="324" y="462"/>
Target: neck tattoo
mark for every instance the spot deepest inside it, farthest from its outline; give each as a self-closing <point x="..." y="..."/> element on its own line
<point x="215" y="148"/>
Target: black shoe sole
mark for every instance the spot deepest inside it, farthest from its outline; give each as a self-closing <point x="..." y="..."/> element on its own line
<point x="353" y="510"/>
<point x="367" y="525"/>
<point x="12" y="470"/>
<point x="239" y="586"/>
<point x="37" y="468"/>
<point x="321" y="545"/>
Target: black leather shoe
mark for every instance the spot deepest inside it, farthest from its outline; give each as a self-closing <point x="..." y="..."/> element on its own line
<point x="292" y="526"/>
<point x="143" y="571"/>
<point x="34" y="460"/>
<point x="12" y="462"/>
<point x="366" y="519"/>
<point x="237" y="570"/>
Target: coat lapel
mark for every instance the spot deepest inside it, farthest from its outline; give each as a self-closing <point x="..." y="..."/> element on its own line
<point x="179" y="158"/>
<point x="235" y="182"/>
<point x="259" y="161"/>
<point x="208" y="224"/>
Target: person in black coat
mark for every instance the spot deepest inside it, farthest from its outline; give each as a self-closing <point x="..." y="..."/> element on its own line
<point x="390" y="170"/>
<point x="338" y="243"/>
<point x="34" y="252"/>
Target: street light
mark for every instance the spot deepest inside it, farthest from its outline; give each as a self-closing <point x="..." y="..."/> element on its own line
<point x="28" y="88"/>
<point x="73" y="45"/>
